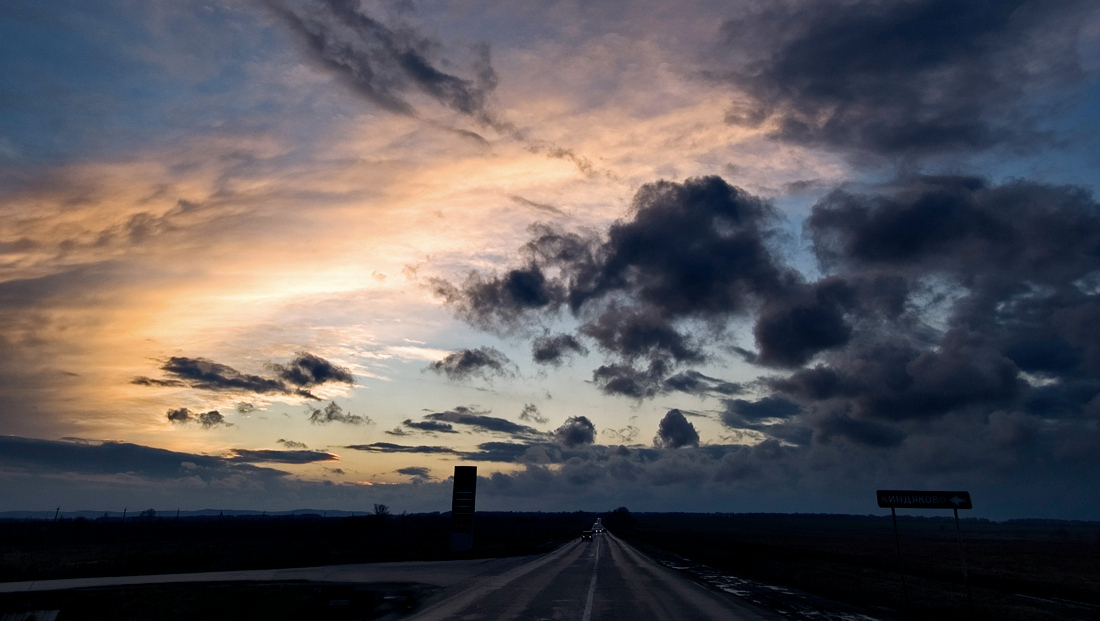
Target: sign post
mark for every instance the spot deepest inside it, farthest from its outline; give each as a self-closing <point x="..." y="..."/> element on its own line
<point x="912" y="499"/>
<point x="462" y="508"/>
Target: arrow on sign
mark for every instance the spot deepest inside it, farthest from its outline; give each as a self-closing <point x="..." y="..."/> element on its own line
<point x="957" y="500"/>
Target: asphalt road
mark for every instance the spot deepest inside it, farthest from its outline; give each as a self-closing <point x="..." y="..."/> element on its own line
<point x="605" y="579"/>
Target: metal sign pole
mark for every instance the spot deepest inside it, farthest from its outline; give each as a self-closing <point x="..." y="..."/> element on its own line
<point x="901" y="567"/>
<point x="962" y="557"/>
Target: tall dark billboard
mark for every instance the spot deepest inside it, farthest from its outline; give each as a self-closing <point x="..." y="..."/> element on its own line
<point x="462" y="508"/>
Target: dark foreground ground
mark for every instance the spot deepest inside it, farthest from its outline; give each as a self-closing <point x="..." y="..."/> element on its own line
<point x="1018" y="570"/>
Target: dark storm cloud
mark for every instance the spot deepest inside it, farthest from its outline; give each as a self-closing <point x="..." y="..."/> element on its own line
<point x="502" y="303"/>
<point x="209" y="375"/>
<point x="386" y="447"/>
<point x="867" y="432"/>
<point x="304" y="371"/>
<point x="771" y="417"/>
<point x="333" y="413"/>
<point x="692" y="249"/>
<point x="498" y="452"/>
<point x="905" y="78"/>
<point x="484" y="362"/>
<point x="626" y="381"/>
<point x="183" y="416"/>
<point x="945" y="303"/>
<point x="696" y="251"/>
<point x="429" y="426"/>
<point x="1009" y="269"/>
<point x="419" y="475"/>
<point x="575" y="431"/>
<point x="695" y="383"/>
<point x="553" y="350"/>
<point x="478" y="420"/>
<point x="117" y="458"/>
<point x="384" y="58"/>
<point x="280" y="457"/>
<point x="890" y="381"/>
<point x="768" y="407"/>
<point x="675" y="431"/>
<point x="307" y="370"/>
<point x="962" y="226"/>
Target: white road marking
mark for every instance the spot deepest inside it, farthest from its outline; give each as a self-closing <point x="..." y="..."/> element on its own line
<point x="592" y="586"/>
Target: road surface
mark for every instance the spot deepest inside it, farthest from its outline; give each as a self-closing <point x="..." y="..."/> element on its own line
<point x="604" y="579"/>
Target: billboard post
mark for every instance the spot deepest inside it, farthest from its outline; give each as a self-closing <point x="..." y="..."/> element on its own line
<point x="462" y="508"/>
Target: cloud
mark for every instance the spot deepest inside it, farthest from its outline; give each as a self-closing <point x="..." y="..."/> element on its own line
<point x="543" y="207"/>
<point x="209" y="375"/>
<point x="575" y="431"/>
<point x="141" y="380"/>
<point x="291" y="444"/>
<point x="484" y="362"/>
<point x="692" y="252"/>
<point x="429" y="426"/>
<point x="304" y="371"/>
<point x="386" y="447"/>
<point x="183" y="416"/>
<point x="470" y="417"/>
<point x="761" y="409"/>
<point x="531" y="413"/>
<point x="383" y="57"/>
<point x="771" y="417"/>
<point x="418" y="475"/>
<point x="280" y="457"/>
<point x="904" y="78"/>
<point x="695" y="383"/>
<point x="941" y="302"/>
<point x="118" y="458"/>
<point x="675" y="431"/>
<point x="502" y="303"/>
<point x="625" y="435"/>
<point x="500" y="452"/>
<point x="552" y="350"/>
<point x="307" y="370"/>
<point x="333" y="413"/>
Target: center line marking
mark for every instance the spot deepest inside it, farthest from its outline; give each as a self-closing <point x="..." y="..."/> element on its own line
<point x="592" y="586"/>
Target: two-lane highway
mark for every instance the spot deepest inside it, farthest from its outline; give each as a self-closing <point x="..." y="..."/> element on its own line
<point x="605" y="579"/>
<point x="598" y="580"/>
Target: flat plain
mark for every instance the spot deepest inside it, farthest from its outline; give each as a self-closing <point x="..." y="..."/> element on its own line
<point x="1017" y="570"/>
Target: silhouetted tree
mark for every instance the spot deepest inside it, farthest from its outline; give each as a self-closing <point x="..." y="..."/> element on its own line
<point x="620" y="518"/>
<point x="381" y="510"/>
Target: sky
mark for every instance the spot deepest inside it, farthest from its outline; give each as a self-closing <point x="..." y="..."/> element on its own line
<point x="676" y="256"/>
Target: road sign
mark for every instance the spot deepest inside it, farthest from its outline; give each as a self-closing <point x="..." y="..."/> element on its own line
<point x="895" y="499"/>
<point x="913" y="499"/>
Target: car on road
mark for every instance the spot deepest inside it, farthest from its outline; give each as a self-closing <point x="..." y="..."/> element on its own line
<point x="586" y="535"/>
